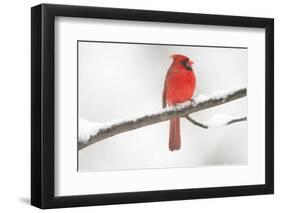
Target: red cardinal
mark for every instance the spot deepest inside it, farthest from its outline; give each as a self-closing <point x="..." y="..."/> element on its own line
<point x="179" y="87"/>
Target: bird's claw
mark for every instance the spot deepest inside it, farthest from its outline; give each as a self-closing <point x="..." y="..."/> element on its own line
<point x="192" y="101"/>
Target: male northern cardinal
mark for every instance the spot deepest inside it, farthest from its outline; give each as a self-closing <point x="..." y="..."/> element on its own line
<point x="179" y="87"/>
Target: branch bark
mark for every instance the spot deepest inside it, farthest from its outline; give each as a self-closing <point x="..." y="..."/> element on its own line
<point x="166" y="114"/>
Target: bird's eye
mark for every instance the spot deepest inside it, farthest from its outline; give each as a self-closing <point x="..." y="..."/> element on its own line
<point x="184" y="62"/>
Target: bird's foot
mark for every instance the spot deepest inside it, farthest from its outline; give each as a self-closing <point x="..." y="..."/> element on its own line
<point x="192" y="101"/>
<point x="175" y="106"/>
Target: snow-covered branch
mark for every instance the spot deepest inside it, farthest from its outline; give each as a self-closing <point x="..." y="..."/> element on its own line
<point x="217" y="120"/>
<point x="90" y="133"/>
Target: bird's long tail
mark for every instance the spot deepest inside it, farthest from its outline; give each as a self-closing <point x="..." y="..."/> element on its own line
<point x="175" y="138"/>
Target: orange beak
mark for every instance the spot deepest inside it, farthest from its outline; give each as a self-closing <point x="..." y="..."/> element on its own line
<point x="190" y="62"/>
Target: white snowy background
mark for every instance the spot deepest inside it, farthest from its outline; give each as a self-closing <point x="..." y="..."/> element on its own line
<point x="120" y="81"/>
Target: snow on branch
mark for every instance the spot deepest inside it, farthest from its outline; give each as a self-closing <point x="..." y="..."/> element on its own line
<point x="90" y="133"/>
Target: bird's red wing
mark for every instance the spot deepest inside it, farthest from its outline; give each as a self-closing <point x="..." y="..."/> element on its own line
<point x="164" y="96"/>
<point x="164" y="103"/>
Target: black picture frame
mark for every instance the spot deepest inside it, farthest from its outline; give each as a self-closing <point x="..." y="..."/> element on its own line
<point x="43" y="102"/>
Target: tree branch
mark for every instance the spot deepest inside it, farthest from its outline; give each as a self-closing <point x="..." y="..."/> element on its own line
<point x="207" y="126"/>
<point x="204" y="126"/>
<point x="182" y="110"/>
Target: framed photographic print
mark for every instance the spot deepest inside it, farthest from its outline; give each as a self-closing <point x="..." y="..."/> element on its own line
<point x="139" y="106"/>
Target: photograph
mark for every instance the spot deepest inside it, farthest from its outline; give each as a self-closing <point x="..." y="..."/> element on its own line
<point x="139" y="105"/>
<point x="157" y="106"/>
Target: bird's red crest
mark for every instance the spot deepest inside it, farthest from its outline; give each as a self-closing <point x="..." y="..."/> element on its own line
<point x="179" y="57"/>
